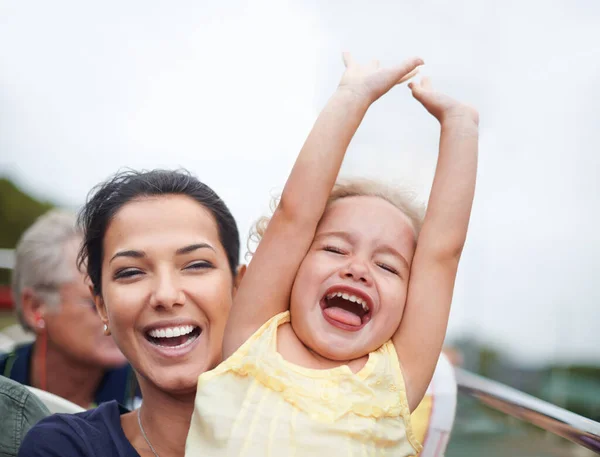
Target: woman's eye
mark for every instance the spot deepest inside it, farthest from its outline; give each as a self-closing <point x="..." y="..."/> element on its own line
<point x="386" y="267"/>
<point x="127" y="273"/>
<point x="334" y="250"/>
<point x="199" y="265"/>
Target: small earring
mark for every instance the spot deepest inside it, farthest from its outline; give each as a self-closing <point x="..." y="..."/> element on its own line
<point x="41" y="324"/>
<point x="106" y="330"/>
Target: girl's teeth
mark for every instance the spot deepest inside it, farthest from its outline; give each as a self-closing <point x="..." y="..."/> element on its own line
<point x="352" y="298"/>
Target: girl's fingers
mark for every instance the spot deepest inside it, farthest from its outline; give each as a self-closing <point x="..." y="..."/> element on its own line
<point x="406" y="68"/>
<point x="417" y="91"/>
<point x="408" y="76"/>
<point x="348" y="60"/>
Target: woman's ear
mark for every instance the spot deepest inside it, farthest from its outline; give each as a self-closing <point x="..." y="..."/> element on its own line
<point x="241" y="271"/>
<point x="100" y="306"/>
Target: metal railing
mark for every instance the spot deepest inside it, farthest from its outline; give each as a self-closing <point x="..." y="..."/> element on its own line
<point x="552" y="418"/>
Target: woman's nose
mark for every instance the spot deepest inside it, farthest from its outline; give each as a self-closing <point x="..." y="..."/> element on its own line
<point x="167" y="292"/>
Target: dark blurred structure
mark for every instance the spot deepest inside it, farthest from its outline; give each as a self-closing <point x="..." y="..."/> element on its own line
<point x="480" y="430"/>
<point x="574" y="387"/>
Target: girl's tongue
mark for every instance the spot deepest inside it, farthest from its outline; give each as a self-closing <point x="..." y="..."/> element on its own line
<point x="343" y="316"/>
<point x="344" y="311"/>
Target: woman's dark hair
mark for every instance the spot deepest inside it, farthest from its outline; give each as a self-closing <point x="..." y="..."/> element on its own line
<point x="105" y="200"/>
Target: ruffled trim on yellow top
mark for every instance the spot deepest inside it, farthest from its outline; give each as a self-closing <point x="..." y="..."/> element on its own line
<point x="376" y="391"/>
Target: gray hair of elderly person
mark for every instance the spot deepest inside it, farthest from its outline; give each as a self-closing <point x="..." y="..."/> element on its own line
<point x="40" y="261"/>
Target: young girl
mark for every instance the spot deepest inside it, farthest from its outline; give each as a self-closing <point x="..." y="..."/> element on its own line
<point x="337" y="326"/>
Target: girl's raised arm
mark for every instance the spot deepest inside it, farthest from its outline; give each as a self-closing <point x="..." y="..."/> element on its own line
<point x="419" y="339"/>
<point x="265" y="289"/>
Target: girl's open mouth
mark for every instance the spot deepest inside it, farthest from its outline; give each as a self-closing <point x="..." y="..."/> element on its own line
<point x="346" y="310"/>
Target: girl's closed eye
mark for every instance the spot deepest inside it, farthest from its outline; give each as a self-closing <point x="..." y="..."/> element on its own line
<point x="388" y="268"/>
<point x="334" y="250"/>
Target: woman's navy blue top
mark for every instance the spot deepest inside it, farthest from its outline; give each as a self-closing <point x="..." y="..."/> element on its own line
<point x="93" y="433"/>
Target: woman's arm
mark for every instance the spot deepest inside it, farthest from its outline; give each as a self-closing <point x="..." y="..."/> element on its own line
<point x="265" y="289"/>
<point x="419" y="338"/>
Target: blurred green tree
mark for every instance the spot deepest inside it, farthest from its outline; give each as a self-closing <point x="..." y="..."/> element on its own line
<point x="18" y="210"/>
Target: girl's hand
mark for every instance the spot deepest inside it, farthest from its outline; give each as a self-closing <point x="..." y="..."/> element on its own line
<point x="370" y="81"/>
<point x="441" y="106"/>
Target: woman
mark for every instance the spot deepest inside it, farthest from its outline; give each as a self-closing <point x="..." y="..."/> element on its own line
<point x="162" y="253"/>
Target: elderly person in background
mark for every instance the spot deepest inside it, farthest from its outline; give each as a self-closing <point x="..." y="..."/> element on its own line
<point x="70" y="357"/>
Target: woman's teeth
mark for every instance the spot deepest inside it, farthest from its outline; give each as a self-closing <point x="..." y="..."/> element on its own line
<point x="350" y="297"/>
<point x="171" y="332"/>
<point x="174" y="337"/>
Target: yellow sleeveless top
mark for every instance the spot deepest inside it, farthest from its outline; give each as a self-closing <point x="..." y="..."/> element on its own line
<point x="256" y="404"/>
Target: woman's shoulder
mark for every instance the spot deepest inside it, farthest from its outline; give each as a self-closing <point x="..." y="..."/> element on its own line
<point x="96" y="433"/>
<point x="107" y="415"/>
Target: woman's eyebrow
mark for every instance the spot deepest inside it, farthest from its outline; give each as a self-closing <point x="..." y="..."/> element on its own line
<point x="193" y="247"/>
<point x="128" y="253"/>
<point x="141" y="254"/>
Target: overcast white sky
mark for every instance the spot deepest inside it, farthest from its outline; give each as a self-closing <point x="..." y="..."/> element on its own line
<point x="229" y="90"/>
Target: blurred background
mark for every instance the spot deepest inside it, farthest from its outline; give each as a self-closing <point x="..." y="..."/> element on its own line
<point x="229" y="90"/>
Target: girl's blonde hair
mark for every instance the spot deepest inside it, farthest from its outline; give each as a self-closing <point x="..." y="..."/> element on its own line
<point x="402" y="198"/>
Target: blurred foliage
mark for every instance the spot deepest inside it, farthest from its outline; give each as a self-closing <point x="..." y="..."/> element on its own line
<point x="573" y="387"/>
<point x="488" y="359"/>
<point x="17" y="212"/>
